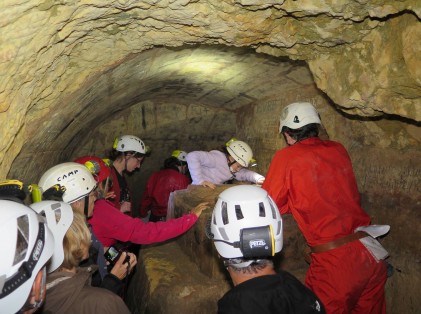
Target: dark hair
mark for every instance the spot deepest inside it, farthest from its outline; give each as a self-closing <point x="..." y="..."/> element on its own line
<point x="224" y="150"/>
<point x="114" y="154"/>
<point x="172" y="163"/>
<point x="253" y="268"/>
<point x="309" y="130"/>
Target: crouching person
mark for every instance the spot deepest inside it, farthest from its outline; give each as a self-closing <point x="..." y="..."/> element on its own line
<point x="68" y="285"/>
<point x="246" y="228"/>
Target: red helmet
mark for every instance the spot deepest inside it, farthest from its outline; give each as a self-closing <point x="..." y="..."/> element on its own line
<point x="96" y="166"/>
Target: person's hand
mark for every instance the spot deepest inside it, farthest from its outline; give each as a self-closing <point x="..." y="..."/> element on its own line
<point x="260" y="181"/>
<point x="199" y="208"/>
<point x="120" y="268"/>
<point x="110" y="195"/>
<point x="133" y="261"/>
<point x="126" y="207"/>
<point x="208" y="184"/>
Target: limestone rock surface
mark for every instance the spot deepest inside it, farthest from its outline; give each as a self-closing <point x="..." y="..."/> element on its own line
<point x="363" y="54"/>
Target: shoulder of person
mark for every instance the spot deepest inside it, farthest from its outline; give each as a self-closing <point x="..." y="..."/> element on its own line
<point x="217" y="153"/>
<point x="104" y="204"/>
<point x="104" y="301"/>
<point x="112" y="303"/>
<point x="88" y="269"/>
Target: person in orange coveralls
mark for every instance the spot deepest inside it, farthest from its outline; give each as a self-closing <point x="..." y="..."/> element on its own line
<point x="313" y="180"/>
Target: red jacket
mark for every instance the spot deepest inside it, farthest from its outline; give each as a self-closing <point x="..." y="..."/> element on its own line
<point x="158" y="188"/>
<point x="314" y="180"/>
<point x="110" y="225"/>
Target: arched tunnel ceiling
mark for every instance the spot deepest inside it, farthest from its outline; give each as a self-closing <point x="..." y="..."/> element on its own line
<point x="363" y="55"/>
<point x="216" y="77"/>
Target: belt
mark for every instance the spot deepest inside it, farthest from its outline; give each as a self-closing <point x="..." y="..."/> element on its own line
<point x="338" y="242"/>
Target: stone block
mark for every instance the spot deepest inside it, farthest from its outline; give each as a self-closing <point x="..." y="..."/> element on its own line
<point x="167" y="281"/>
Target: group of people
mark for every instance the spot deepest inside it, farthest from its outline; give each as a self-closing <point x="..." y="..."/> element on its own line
<point x="60" y="244"/>
<point x="313" y="180"/>
<point x="64" y="252"/>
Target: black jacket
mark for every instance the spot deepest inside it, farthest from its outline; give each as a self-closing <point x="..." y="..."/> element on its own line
<point x="280" y="293"/>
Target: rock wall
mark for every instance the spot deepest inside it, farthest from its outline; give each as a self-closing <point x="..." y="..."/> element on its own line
<point x="167" y="281"/>
<point x="363" y="55"/>
<point x="75" y="74"/>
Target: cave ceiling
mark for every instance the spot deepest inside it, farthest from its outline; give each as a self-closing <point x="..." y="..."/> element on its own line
<point x="365" y="55"/>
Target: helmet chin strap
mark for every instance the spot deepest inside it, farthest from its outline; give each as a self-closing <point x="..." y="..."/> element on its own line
<point x="86" y="207"/>
<point x="230" y="163"/>
<point x="126" y="160"/>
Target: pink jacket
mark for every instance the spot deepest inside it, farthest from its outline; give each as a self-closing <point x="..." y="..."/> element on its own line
<point x="110" y="225"/>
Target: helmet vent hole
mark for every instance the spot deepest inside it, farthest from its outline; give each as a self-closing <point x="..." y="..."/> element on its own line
<point x="22" y="239"/>
<point x="224" y="213"/>
<point x="57" y="214"/>
<point x="238" y="212"/>
<point x="223" y="234"/>
<point x="262" y="212"/>
<point x="279" y="227"/>
<point x="273" y="209"/>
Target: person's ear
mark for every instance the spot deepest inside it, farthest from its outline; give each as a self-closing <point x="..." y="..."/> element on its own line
<point x="288" y="138"/>
<point x="38" y="291"/>
<point x="79" y="205"/>
<point x="39" y="286"/>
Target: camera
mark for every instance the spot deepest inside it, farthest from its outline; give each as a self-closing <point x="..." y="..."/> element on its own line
<point x="113" y="254"/>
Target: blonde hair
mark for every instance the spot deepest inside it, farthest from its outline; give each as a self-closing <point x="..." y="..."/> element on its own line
<point x="76" y="242"/>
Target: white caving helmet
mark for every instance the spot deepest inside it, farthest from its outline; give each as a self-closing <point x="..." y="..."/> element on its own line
<point x="180" y="155"/>
<point x="26" y="246"/>
<point x="76" y="179"/>
<point x="246" y="223"/>
<point x="129" y="143"/>
<point x="297" y="115"/>
<point x="240" y="151"/>
<point x="59" y="216"/>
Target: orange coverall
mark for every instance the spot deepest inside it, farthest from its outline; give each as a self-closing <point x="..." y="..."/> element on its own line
<point x="314" y="181"/>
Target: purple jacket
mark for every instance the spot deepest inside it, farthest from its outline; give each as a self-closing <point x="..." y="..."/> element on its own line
<point x="213" y="167"/>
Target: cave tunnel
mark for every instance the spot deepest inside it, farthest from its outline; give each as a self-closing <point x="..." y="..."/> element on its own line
<point x="192" y="74"/>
